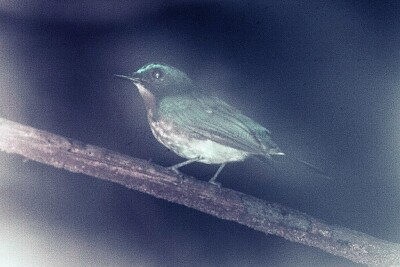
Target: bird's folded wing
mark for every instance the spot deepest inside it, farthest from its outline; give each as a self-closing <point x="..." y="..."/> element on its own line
<point x="211" y="118"/>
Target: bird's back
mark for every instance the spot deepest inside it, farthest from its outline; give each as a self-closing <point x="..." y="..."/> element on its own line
<point x="210" y="118"/>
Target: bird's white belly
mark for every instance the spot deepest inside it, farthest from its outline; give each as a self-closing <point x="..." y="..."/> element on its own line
<point x="210" y="152"/>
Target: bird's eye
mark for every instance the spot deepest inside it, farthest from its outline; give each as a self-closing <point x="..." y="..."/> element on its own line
<point x="157" y="74"/>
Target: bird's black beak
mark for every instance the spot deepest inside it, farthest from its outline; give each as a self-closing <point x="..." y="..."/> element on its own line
<point x="135" y="77"/>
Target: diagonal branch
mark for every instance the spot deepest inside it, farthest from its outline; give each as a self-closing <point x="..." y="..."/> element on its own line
<point x="270" y="218"/>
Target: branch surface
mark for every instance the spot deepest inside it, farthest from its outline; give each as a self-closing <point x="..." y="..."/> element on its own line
<point x="267" y="217"/>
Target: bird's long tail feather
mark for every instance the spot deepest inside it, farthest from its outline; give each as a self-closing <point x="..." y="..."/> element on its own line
<point x="317" y="170"/>
<point x="312" y="167"/>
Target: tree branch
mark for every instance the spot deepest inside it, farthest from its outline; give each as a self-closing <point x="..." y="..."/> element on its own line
<point x="270" y="218"/>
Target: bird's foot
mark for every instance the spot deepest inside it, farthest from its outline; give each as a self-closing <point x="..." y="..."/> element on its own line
<point x="212" y="181"/>
<point x="175" y="170"/>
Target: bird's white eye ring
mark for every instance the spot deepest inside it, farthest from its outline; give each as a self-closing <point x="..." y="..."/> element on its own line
<point x="157" y="74"/>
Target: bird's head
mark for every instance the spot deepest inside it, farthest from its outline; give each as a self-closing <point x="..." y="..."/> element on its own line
<point x="160" y="80"/>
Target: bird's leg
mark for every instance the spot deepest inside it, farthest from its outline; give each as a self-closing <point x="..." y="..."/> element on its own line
<point x="177" y="166"/>
<point x="212" y="180"/>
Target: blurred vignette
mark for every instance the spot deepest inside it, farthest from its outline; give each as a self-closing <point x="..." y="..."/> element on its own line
<point x="322" y="76"/>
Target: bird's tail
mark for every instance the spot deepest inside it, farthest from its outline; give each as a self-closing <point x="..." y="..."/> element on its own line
<point x="312" y="167"/>
<point x="278" y="152"/>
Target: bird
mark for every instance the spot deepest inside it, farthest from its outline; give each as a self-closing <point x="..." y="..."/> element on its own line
<point x="197" y="126"/>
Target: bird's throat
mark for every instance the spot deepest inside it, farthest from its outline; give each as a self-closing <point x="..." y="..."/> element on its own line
<point x="148" y="98"/>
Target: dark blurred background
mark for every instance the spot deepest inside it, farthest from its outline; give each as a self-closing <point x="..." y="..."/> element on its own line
<point x="324" y="77"/>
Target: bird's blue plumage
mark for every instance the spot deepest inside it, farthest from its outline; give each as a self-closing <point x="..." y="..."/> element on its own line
<point x="211" y="118"/>
<point x="196" y="125"/>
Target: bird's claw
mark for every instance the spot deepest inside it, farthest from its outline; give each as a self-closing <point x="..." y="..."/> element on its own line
<point x="175" y="170"/>
<point x="212" y="181"/>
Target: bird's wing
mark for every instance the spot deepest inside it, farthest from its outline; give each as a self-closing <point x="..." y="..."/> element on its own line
<point x="211" y="118"/>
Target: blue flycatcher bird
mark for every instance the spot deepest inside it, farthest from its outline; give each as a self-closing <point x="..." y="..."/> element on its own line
<point x="196" y="125"/>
